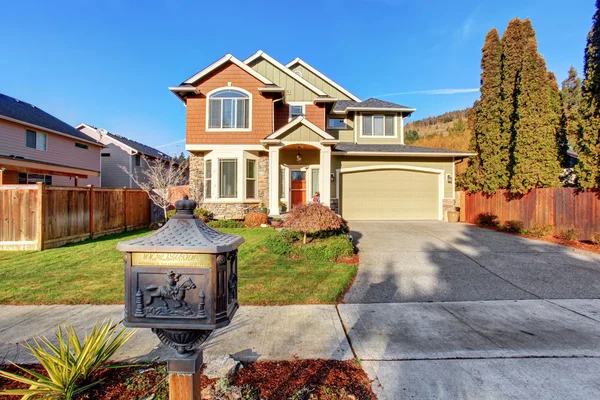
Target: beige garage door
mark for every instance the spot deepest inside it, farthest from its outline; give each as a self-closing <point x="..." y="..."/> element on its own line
<point x="389" y="194"/>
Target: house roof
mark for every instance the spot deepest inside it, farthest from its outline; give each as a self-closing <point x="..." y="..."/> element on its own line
<point x="312" y="69"/>
<point x="19" y="111"/>
<point x="285" y="70"/>
<point x="299" y="120"/>
<point x="396" y="149"/>
<point x="371" y="104"/>
<point x="141" y="148"/>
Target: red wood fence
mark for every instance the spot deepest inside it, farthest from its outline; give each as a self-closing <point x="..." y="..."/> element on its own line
<point x="563" y="208"/>
<point x="38" y="217"/>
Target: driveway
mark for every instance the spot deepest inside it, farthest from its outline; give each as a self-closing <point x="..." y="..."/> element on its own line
<point x="439" y="261"/>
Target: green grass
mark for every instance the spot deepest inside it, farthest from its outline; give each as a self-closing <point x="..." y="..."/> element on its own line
<point x="91" y="272"/>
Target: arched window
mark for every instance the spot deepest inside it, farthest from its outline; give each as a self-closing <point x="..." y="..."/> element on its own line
<point x="229" y="109"/>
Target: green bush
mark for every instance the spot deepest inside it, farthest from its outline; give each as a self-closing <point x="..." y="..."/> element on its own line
<point x="487" y="220"/>
<point x="570" y="234"/>
<point x="330" y="249"/>
<point x="541" y="231"/>
<point x="514" y="226"/>
<point x="170" y="213"/>
<point x="204" y="214"/>
<point x="69" y="364"/>
<point x="280" y="244"/>
<point x="226" y="223"/>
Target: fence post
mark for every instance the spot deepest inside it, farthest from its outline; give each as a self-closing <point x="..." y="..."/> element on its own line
<point x="124" y="209"/>
<point x="91" y="211"/>
<point x="41" y="217"/>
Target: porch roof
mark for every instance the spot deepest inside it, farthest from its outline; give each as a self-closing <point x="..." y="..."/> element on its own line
<point x="300" y="120"/>
<point x="354" y="149"/>
<point x="34" y="166"/>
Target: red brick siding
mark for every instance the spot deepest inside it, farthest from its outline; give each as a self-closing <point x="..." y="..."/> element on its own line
<point x="262" y="124"/>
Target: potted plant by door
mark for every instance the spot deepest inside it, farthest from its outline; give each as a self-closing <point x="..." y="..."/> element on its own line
<point x="454" y="215"/>
<point x="276" y="222"/>
<point x="263" y="209"/>
<point x="282" y="206"/>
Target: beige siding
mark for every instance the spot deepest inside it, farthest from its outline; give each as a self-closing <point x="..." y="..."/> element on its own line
<point x="297" y="91"/>
<point x="343" y="135"/>
<point x="301" y="133"/>
<point x="444" y="164"/>
<point x="320" y="83"/>
<point x="112" y="175"/>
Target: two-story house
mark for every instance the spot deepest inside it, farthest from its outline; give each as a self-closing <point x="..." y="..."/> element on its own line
<point x="121" y="152"/>
<point x="259" y="131"/>
<point x="38" y="147"/>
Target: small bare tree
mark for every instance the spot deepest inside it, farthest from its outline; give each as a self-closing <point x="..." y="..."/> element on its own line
<point x="157" y="178"/>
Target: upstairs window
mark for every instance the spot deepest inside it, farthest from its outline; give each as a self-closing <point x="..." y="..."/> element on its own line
<point x="378" y="125"/>
<point x="138" y="160"/>
<point x="82" y="145"/>
<point x="296" y="111"/>
<point x="35" y="140"/>
<point x="229" y="109"/>
<point x="336" y="123"/>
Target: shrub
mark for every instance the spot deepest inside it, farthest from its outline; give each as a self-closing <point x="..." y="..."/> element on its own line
<point x="487" y="219"/>
<point x="280" y="244"/>
<point x="595" y="238"/>
<point x="514" y="226"/>
<point x="226" y="223"/>
<point x="330" y="249"/>
<point x="203" y="213"/>
<point x="570" y="234"/>
<point x="70" y="364"/>
<point x="541" y="231"/>
<point x="313" y="218"/>
<point x="256" y="219"/>
<point x="170" y="213"/>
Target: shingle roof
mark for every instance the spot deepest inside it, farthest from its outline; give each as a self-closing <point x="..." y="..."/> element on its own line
<point x="393" y="148"/>
<point x="142" y="148"/>
<point x="372" y="102"/>
<point x="30" y="114"/>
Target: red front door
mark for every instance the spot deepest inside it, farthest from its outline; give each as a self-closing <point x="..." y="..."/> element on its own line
<point x="298" y="188"/>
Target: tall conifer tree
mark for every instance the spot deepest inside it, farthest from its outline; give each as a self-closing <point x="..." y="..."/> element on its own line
<point x="588" y="143"/>
<point x="535" y="162"/>
<point x="558" y="120"/>
<point x="570" y="94"/>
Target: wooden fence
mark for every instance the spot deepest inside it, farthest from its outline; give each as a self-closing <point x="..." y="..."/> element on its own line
<point x="38" y="217"/>
<point x="563" y="208"/>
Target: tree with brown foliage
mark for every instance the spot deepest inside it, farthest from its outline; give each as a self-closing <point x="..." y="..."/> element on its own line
<point x="313" y="218"/>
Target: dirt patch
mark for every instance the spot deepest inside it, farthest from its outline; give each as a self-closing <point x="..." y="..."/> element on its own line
<point x="301" y="379"/>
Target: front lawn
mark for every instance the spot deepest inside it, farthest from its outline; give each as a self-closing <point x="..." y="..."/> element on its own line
<point x="91" y="272"/>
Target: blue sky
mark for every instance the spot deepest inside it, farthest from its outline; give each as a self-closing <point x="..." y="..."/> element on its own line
<point x="109" y="62"/>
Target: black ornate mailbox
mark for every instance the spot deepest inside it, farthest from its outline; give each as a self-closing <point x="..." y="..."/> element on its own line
<point x="181" y="281"/>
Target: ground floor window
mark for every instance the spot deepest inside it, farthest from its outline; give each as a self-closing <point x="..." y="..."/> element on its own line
<point x="208" y="179"/>
<point x="25" y="178"/>
<point x="250" y="179"/>
<point x="314" y="182"/>
<point x="228" y="178"/>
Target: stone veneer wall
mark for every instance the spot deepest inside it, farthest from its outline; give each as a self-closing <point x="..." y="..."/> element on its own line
<point x="263" y="178"/>
<point x="448" y="205"/>
<point x="197" y="177"/>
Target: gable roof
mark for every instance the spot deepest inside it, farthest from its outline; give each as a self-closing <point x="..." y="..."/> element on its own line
<point x="132" y="145"/>
<point x="285" y="70"/>
<point x="221" y="61"/>
<point x="312" y="69"/>
<point x="15" y="110"/>
<point x="299" y="120"/>
<point x="371" y="104"/>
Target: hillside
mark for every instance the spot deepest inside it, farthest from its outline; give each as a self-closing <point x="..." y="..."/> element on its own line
<point x="437" y="125"/>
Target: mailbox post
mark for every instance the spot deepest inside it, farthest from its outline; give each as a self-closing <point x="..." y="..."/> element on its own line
<point x="181" y="282"/>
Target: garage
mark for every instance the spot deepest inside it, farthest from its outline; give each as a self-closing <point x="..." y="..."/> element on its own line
<point x="393" y="193"/>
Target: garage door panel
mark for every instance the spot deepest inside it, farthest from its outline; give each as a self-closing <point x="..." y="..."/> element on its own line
<point x="389" y="195"/>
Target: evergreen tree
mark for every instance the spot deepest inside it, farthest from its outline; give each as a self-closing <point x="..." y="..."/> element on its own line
<point x="558" y="120"/>
<point x="571" y="102"/>
<point x="588" y="141"/>
<point x="535" y="148"/>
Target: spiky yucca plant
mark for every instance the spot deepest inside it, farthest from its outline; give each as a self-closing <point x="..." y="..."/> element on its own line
<point x="70" y="363"/>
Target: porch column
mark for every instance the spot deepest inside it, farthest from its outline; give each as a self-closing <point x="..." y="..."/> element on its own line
<point x="326" y="176"/>
<point x="274" y="180"/>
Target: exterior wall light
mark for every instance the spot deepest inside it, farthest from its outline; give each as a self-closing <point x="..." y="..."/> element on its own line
<point x="449" y="178"/>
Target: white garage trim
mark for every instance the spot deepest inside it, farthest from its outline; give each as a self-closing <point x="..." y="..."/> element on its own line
<point x="440" y="173"/>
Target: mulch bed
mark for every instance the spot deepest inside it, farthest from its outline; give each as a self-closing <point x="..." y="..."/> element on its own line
<point x="300" y="380"/>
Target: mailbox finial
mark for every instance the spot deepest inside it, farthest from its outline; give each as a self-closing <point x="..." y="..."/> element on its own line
<point x="185" y="206"/>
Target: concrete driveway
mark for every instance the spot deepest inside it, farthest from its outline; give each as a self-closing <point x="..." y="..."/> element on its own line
<point x="449" y="311"/>
<point x="439" y="261"/>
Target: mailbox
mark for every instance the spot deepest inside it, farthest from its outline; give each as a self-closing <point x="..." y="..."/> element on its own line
<point x="181" y="280"/>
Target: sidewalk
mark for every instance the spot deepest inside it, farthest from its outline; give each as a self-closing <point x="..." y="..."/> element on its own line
<point x="256" y="333"/>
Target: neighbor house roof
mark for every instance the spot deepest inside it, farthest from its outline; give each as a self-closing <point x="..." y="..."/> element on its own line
<point x="312" y="69"/>
<point x="371" y="104"/>
<point x="396" y="149"/>
<point x="15" y="110"/>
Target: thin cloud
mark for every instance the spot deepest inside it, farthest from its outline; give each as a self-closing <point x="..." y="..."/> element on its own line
<point x="432" y="91"/>
<point x="170" y="144"/>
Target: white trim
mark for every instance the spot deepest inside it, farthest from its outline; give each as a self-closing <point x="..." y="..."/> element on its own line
<point x="372" y="136"/>
<point x="401" y="129"/>
<point x="312" y="69"/>
<point x="48" y="130"/>
<point x="378" y="109"/>
<point x="328" y="117"/>
<point x="224" y="147"/>
<point x="399" y="154"/>
<point x="248" y="129"/>
<point x="303" y="121"/>
<point x="440" y="172"/>
<point x="285" y="70"/>
<point x="453" y="178"/>
<point x="223" y="60"/>
<point x="206" y="160"/>
<point x="184" y="88"/>
<point x="274" y="171"/>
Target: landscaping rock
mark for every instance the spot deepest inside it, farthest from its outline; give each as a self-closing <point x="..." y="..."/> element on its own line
<point x="221" y="367"/>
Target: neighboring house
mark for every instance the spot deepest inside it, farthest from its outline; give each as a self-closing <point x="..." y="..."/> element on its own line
<point x="38" y="147"/>
<point x="259" y="131"/>
<point x="121" y="151"/>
